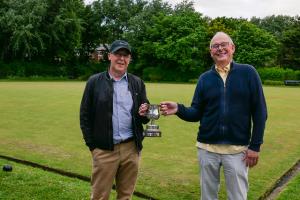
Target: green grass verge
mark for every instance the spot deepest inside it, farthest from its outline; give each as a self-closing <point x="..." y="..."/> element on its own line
<point x="41" y="124"/>
<point x="29" y="183"/>
<point x="292" y="190"/>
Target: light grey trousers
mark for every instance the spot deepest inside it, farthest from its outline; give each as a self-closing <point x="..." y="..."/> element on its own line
<point x="235" y="172"/>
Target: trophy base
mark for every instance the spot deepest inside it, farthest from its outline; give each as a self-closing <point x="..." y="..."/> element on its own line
<point x="152" y="133"/>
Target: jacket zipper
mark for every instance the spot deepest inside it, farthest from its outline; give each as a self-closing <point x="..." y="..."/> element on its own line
<point x="224" y="101"/>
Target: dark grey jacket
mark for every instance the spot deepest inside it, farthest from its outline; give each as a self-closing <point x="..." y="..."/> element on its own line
<point x="97" y="108"/>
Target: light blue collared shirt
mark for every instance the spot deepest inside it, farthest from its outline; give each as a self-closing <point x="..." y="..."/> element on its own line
<point x="122" y="105"/>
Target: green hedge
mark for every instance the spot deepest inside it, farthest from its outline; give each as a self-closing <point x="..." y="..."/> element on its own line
<point x="38" y="70"/>
<point x="27" y="69"/>
<point x="278" y="74"/>
<point x="270" y="82"/>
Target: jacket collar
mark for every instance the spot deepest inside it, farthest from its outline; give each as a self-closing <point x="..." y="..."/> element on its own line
<point x="108" y="77"/>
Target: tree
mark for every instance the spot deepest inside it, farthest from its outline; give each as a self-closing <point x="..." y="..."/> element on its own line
<point x="291" y="46"/>
<point x="20" y="23"/>
<point x="111" y="17"/>
<point x="227" y="25"/>
<point x="64" y="28"/>
<point x="274" y="24"/>
<point x="106" y="21"/>
<point x="277" y="25"/>
<point x="5" y="31"/>
<point x="255" y="46"/>
<point x="138" y="32"/>
<point x="174" y="44"/>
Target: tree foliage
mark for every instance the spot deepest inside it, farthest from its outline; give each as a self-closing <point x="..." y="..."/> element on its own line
<point x="291" y="46"/>
<point x="175" y="44"/>
<point x="227" y="25"/>
<point x="169" y="43"/>
<point x="255" y="46"/>
<point x="274" y="24"/>
<point x="20" y="22"/>
<point x="64" y="28"/>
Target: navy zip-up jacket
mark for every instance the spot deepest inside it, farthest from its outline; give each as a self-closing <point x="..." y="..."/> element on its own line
<point x="233" y="113"/>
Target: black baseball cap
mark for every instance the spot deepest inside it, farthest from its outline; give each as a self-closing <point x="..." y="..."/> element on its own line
<point x="119" y="44"/>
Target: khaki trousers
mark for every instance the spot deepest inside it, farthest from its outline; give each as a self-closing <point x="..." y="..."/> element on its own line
<point x="121" y="164"/>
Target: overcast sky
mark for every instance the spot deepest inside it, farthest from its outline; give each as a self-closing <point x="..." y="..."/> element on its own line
<point x="243" y="8"/>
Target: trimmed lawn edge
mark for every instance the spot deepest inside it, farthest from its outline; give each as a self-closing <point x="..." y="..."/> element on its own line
<point x="274" y="191"/>
<point x="65" y="173"/>
<point x="268" y="195"/>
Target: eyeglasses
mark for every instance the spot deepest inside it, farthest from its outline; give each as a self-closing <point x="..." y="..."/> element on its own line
<point x="223" y="45"/>
<point x="121" y="54"/>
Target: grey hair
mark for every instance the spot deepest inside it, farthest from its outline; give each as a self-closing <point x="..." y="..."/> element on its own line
<point x="221" y="33"/>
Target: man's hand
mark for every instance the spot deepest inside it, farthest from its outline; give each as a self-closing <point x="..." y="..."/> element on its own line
<point x="143" y="109"/>
<point x="168" y="108"/>
<point x="251" y="158"/>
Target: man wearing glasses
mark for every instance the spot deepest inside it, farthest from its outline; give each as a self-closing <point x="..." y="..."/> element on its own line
<point x="112" y="111"/>
<point x="229" y="103"/>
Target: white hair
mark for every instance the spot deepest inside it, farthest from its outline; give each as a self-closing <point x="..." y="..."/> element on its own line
<point x="221" y="33"/>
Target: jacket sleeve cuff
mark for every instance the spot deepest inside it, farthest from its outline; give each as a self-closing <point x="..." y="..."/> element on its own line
<point x="255" y="147"/>
<point x="179" y="109"/>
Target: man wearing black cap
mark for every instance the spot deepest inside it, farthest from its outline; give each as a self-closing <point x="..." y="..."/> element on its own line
<point x="112" y="112"/>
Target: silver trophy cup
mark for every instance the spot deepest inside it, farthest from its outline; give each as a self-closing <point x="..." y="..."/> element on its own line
<point x="152" y="130"/>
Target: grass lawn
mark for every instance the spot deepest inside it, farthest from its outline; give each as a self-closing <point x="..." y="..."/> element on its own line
<point x="28" y="183"/>
<point x="40" y="123"/>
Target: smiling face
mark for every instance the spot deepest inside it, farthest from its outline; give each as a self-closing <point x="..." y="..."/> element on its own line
<point x="221" y="49"/>
<point x="119" y="62"/>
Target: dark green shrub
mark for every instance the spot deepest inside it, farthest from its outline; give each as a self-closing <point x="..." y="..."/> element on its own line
<point x="297" y="74"/>
<point x="153" y="74"/>
<point x="91" y="68"/>
<point x="270" y="82"/>
<point x="290" y="74"/>
<point x="274" y="73"/>
<point x="278" y="74"/>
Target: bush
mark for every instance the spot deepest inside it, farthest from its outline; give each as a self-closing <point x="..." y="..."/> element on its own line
<point x="155" y="74"/>
<point x="278" y="74"/>
<point x="152" y="74"/>
<point x="290" y="74"/>
<point x="270" y="82"/>
<point x="92" y="68"/>
<point x="38" y="70"/>
<point x="27" y="69"/>
<point x="297" y="74"/>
